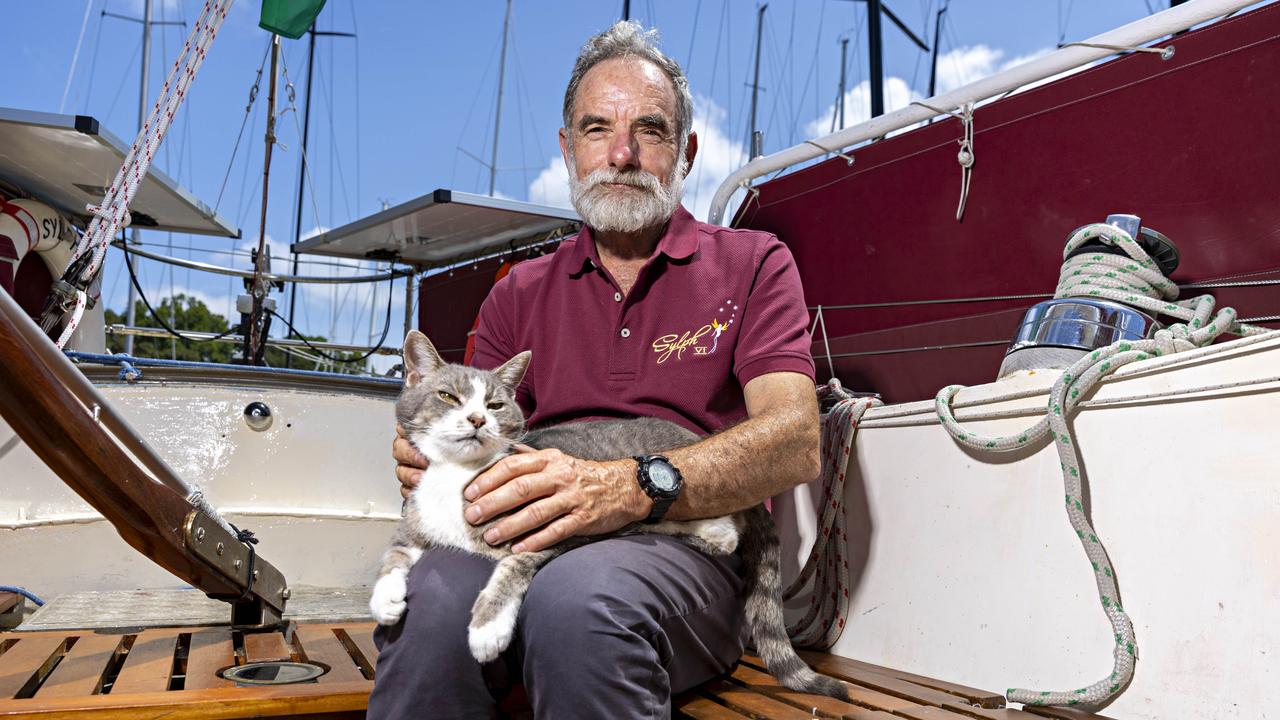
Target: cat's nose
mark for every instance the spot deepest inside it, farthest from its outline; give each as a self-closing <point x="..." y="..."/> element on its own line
<point x="476" y="420"/>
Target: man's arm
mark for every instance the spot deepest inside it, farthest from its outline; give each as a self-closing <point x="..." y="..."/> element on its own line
<point x="775" y="449"/>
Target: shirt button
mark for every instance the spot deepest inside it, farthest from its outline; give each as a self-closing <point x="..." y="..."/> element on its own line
<point x="625" y="333"/>
<point x="617" y="297"/>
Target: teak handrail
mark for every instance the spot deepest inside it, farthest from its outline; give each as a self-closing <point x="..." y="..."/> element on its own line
<point x="152" y="517"/>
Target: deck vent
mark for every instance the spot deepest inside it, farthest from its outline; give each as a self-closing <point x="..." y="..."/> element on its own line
<point x="275" y="672"/>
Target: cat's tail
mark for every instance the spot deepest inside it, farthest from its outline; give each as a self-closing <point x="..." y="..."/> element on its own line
<point x="762" y="554"/>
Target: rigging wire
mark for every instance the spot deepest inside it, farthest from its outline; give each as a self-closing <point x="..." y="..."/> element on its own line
<point x="693" y="36"/>
<point x="334" y="152"/>
<point x="142" y="295"/>
<point x="93" y="65"/>
<point x="355" y="31"/>
<point x="137" y="50"/>
<point x="253" y="97"/>
<point x="75" y="56"/>
<point x="812" y="73"/>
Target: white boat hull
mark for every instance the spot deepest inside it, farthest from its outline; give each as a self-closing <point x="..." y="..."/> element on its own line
<point x="964" y="565"/>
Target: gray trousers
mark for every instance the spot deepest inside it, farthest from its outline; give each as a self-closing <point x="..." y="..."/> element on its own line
<point x="608" y="630"/>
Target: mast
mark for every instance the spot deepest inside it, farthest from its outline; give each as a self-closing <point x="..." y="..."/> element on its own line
<point x="302" y="167"/>
<point x="875" y="48"/>
<point x="497" y="117"/>
<point x="626" y="9"/>
<point x="130" y="314"/>
<point x="937" y="40"/>
<point x="838" y="115"/>
<point x="753" y="144"/>
<point x="877" y="57"/>
<point x="254" y="338"/>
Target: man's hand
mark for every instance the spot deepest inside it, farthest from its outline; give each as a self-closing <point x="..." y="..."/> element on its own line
<point x="409" y="463"/>
<point x="558" y="496"/>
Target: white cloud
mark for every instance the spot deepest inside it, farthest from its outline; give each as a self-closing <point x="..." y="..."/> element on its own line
<point x="718" y="156"/>
<point x="857" y="105"/>
<point x="964" y="65"/>
<point x="956" y="68"/>
<point x="551" y="187"/>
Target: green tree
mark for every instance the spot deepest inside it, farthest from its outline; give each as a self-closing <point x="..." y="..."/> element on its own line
<point x="188" y="314"/>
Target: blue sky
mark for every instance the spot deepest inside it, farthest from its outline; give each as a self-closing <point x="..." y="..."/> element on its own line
<point x="402" y="108"/>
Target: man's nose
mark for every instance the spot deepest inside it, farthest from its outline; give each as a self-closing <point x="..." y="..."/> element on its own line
<point x="623" y="154"/>
<point x="476" y="420"/>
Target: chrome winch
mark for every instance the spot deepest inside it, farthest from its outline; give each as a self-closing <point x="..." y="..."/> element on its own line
<point x="1056" y="333"/>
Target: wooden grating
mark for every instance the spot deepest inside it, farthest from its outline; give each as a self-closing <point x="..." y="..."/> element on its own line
<point x="172" y="673"/>
<point x="875" y="693"/>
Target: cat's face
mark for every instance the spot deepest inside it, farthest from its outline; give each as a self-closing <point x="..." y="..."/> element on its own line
<point x="458" y="413"/>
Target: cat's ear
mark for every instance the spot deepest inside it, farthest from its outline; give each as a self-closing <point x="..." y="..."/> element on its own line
<point x="512" y="371"/>
<point x="420" y="358"/>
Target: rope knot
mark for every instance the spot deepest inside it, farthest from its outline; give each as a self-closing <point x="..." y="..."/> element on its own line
<point x="245" y="536"/>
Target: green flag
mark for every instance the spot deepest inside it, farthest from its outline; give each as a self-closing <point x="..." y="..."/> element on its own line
<point x="289" y="18"/>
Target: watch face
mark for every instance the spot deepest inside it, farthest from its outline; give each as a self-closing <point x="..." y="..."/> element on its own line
<point x="663" y="475"/>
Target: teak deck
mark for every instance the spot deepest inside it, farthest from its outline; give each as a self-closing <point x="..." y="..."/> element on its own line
<point x="172" y="673"/>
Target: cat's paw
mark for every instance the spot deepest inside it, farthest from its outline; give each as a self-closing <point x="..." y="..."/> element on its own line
<point x="719" y="534"/>
<point x="487" y="641"/>
<point x="388" y="601"/>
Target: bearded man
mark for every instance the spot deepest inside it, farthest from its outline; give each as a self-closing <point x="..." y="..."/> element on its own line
<point x="647" y="312"/>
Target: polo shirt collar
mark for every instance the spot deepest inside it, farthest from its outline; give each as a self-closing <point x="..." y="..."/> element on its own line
<point x="678" y="241"/>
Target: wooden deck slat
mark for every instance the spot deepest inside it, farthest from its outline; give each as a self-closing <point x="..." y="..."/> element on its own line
<point x="361" y="635"/>
<point x="80" y="672"/>
<point x="990" y="713"/>
<point x="149" y="664"/>
<point x="751" y="704"/>
<point x="839" y="667"/>
<point x="211" y="651"/>
<point x="265" y="646"/>
<point x="930" y="712"/>
<point x="696" y="707"/>
<point x="319" y="644"/>
<point x="8" y="601"/>
<point x="31" y="655"/>
<point x="858" y="694"/>
<point x="308" y="700"/>
<point x="982" y="698"/>
<point x="1064" y="713"/>
<point x="820" y="705"/>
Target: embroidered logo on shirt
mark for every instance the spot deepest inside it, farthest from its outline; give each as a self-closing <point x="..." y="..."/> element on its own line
<point x="675" y="344"/>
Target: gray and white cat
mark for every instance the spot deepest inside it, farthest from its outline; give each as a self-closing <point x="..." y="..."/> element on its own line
<point x="464" y="420"/>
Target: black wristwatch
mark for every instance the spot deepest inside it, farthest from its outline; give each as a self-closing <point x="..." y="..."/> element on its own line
<point x="661" y="481"/>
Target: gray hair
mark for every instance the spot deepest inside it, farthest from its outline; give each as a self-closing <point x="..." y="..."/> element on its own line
<point x="628" y="39"/>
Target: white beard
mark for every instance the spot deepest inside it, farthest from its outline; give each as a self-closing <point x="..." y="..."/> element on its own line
<point x="647" y="203"/>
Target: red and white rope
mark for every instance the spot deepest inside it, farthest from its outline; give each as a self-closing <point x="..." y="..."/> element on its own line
<point x="827" y="567"/>
<point x="112" y="214"/>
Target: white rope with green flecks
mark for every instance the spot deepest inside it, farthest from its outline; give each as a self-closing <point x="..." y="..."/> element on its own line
<point x="1134" y="280"/>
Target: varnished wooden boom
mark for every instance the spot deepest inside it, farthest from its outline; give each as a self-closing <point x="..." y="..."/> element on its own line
<point x="65" y="434"/>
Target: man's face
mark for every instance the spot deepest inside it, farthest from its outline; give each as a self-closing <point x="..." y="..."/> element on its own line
<point x="626" y="172"/>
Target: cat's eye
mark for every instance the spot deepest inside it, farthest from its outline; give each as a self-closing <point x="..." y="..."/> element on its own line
<point x="449" y="398"/>
<point x="496" y="405"/>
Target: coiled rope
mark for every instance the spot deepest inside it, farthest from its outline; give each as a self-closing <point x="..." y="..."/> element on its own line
<point x="112" y="214"/>
<point x="826" y="566"/>
<point x="1133" y="279"/>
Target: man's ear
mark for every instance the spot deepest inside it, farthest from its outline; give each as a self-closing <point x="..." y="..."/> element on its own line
<point x="512" y="371"/>
<point x="690" y="152"/>
<point x="420" y="358"/>
<point x="564" y="148"/>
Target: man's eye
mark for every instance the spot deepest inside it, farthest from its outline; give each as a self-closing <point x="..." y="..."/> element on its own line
<point x="496" y="405"/>
<point x="449" y="398"/>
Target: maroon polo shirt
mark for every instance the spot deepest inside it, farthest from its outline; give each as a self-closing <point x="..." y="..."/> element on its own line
<point x="712" y="309"/>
